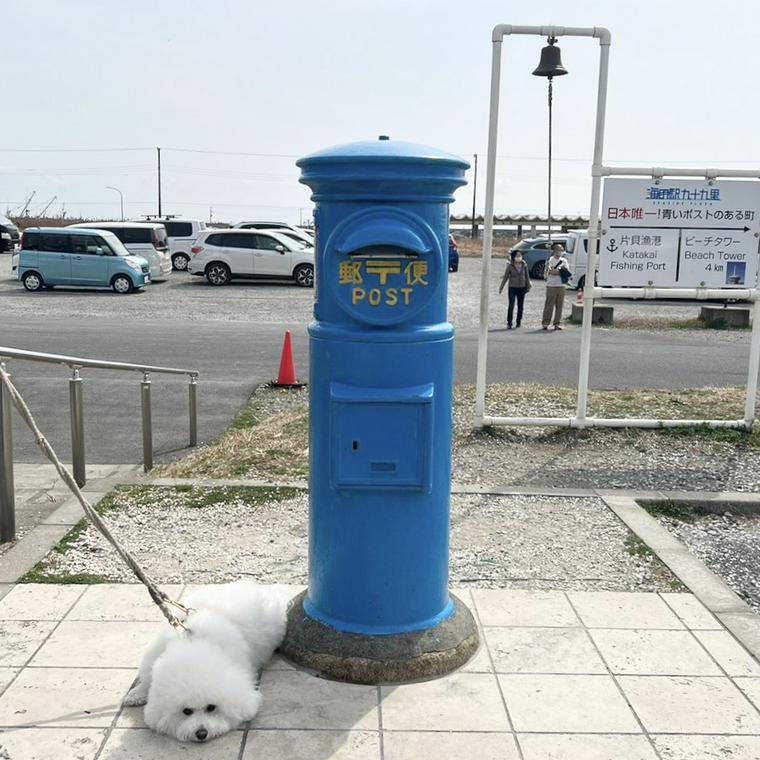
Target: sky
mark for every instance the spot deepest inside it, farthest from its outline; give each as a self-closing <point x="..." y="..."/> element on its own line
<point x="234" y="92"/>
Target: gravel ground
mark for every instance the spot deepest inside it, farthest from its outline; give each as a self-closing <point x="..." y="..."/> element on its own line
<point x="496" y="541"/>
<point x="183" y="296"/>
<point x="728" y="545"/>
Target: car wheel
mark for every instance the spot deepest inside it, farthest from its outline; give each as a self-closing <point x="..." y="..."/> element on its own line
<point x="304" y="276"/>
<point x="180" y="262"/>
<point x="33" y="282"/>
<point x="218" y="274"/>
<point x="122" y="284"/>
<point x="538" y="270"/>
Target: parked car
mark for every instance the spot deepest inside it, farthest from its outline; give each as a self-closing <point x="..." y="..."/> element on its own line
<point x="53" y="256"/>
<point x="182" y="234"/>
<point x="9" y="235"/>
<point x="291" y="230"/>
<point x="146" y="239"/>
<point x="535" y="252"/>
<point x="305" y="240"/>
<point x="453" y="255"/>
<point x="238" y="253"/>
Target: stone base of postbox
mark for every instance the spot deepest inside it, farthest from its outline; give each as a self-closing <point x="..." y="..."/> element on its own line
<point x="394" y="658"/>
<point x="720" y="317"/>
<point x="602" y="315"/>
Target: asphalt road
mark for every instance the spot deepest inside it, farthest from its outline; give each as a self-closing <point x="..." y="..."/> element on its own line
<point x="233" y="336"/>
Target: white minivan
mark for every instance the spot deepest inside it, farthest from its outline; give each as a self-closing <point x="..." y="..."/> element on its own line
<point x="182" y="234"/>
<point x="224" y="255"/>
<point x="146" y="239"/>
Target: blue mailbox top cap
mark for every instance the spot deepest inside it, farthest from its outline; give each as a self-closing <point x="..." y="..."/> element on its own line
<point x="383" y="149"/>
<point x="382" y="169"/>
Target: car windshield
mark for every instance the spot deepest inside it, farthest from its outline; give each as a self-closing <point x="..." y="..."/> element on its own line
<point x="116" y="245"/>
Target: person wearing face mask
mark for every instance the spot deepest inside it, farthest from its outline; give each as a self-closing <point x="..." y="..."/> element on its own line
<point x="516" y="274"/>
<point x="555" y="287"/>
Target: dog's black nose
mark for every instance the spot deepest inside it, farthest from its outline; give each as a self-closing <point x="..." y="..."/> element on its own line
<point x="201" y="734"/>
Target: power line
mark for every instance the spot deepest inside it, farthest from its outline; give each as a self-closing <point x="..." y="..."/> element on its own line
<point x="70" y="150"/>
<point x="234" y="153"/>
<point x="511" y="157"/>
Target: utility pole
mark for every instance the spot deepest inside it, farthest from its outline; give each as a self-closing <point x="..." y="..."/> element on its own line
<point x="474" y="230"/>
<point x="158" y="150"/>
<point x="210" y="214"/>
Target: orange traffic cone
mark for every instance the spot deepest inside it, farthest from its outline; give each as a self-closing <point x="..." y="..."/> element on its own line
<point x="579" y="297"/>
<point x="286" y="377"/>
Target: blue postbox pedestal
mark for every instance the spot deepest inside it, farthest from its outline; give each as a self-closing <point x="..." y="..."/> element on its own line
<point x="380" y="382"/>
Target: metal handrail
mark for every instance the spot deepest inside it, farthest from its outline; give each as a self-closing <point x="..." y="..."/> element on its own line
<point x="75" y="363"/>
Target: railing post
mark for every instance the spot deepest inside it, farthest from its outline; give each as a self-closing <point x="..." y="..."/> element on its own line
<point x="7" y="493"/>
<point x="77" y="427"/>
<point x="193" y="392"/>
<point x="147" y="423"/>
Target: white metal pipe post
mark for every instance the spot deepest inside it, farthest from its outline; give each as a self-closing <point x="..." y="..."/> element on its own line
<point x="593" y="230"/>
<point x="500" y="31"/>
<point x="754" y="366"/>
<point x="485" y="271"/>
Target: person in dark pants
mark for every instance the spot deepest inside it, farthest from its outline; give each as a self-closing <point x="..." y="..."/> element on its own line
<point x="516" y="274"/>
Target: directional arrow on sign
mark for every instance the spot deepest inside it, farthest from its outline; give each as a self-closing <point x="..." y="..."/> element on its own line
<point x="660" y="227"/>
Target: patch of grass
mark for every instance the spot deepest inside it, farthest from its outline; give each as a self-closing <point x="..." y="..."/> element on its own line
<point x="248" y="417"/>
<point x="36" y="575"/>
<point x="721" y="435"/>
<point x="637" y="548"/>
<point x="199" y="497"/>
<point x="666" y="323"/>
<point x="62" y="546"/>
<point x="675" y="510"/>
<point x="251" y="496"/>
<point x="39" y="574"/>
<point x="269" y="437"/>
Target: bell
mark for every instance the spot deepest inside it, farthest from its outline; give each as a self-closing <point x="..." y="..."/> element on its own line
<point x="550" y="64"/>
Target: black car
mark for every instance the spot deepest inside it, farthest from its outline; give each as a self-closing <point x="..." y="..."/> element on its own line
<point x="9" y="235"/>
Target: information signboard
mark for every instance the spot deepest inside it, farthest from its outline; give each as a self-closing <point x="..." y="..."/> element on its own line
<point x="679" y="233"/>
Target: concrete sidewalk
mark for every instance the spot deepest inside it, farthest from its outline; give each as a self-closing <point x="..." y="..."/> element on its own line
<point x="577" y="676"/>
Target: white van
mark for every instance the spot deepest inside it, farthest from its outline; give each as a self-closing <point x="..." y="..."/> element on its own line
<point x="576" y="253"/>
<point x="146" y="239"/>
<point x="182" y="234"/>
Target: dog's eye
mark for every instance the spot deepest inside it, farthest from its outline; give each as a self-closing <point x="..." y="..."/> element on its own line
<point x="210" y="708"/>
<point x="188" y="711"/>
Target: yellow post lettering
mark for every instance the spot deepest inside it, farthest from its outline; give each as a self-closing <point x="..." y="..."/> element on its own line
<point x="375" y="294"/>
<point x="357" y="294"/>
<point x="391" y="297"/>
<point x="407" y="293"/>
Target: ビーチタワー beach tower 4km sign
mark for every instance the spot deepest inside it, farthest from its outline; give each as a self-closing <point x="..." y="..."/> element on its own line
<point x="679" y="233"/>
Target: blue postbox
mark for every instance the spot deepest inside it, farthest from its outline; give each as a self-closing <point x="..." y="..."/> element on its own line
<point x="380" y="384"/>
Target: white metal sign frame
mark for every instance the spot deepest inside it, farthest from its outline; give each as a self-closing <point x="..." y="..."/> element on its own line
<point x="598" y="171"/>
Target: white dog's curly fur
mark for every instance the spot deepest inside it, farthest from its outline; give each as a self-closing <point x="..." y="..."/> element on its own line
<point x="201" y="685"/>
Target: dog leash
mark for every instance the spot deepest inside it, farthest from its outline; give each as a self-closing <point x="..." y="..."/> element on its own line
<point x="161" y="599"/>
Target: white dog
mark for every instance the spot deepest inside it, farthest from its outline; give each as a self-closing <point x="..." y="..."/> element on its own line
<point x="202" y="684"/>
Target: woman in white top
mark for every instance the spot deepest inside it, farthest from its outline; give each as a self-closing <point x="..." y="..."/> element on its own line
<point x="555" y="288"/>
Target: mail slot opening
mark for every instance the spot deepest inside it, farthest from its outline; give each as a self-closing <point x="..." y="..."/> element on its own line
<point x="383" y="252"/>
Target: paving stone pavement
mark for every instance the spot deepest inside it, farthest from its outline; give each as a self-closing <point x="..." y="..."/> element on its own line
<point x="559" y="676"/>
